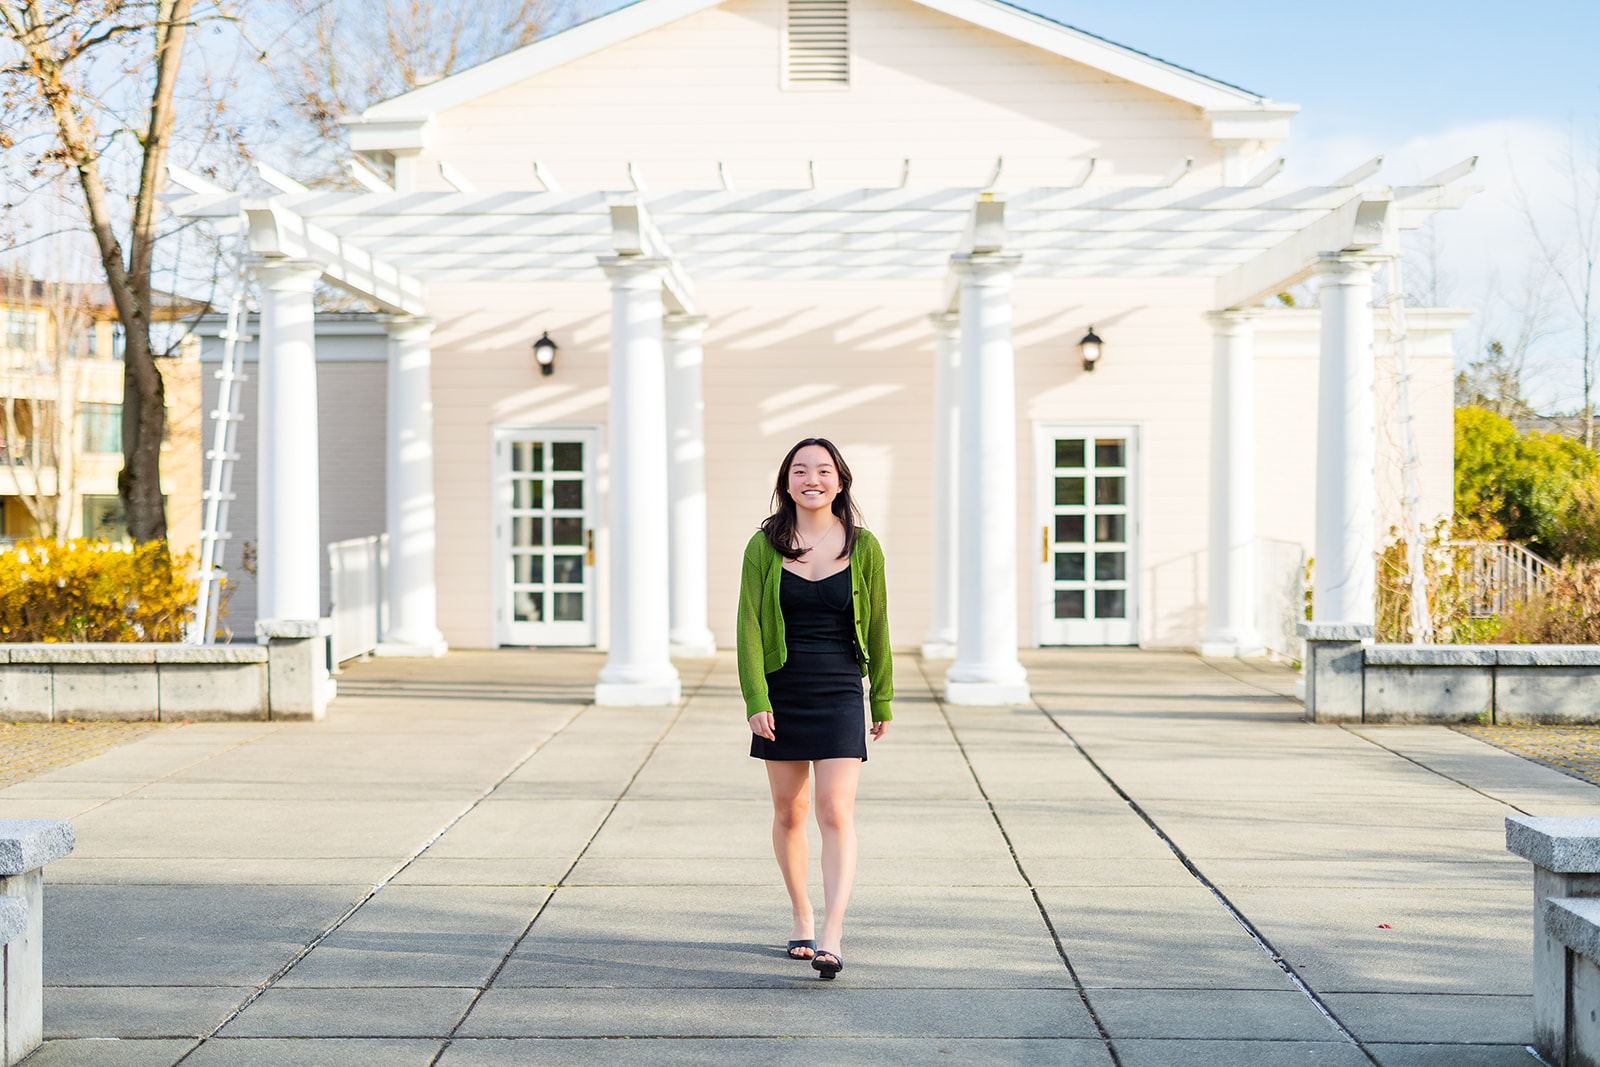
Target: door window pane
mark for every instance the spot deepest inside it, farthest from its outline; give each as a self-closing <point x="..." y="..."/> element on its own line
<point x="567" y="494"/>
<point x="1069" y="492"/>
<point x="566" y="570"/>
<point x="527" y="493"/>
<point x="1108" y="529"/>
<point x="566" y="531"/>
<point x="566" y="456"/>
<point x="1110" y="567"/>
<point x="568" y="607"/>
<point x="1110" y="604"/>
<point x="1069" y="529"/>
<point x="527" y="456"/>
<point x="527" y="531"/>
<point x="1069" y="453"/>
<point x="1109" y="451"/>
<point x="1069" y="566"/>
<point x="527" y="569"/>
<point x="1110" y="490"/>
<point x="527" y="607"/>
<point x="1069" y="603"/>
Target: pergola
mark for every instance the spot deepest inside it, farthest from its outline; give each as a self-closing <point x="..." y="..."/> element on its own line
<point x="387" y="247"/>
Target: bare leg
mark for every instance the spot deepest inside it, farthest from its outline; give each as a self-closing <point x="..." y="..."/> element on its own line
<point x="836" y="817"/>
<point x="791" y="800"/>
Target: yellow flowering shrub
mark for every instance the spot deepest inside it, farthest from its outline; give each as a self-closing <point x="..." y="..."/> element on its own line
<point x="84" y="590"/>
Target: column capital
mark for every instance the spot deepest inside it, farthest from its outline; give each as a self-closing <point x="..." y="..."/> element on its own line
<point x="407" y="327"/>
<point x="1234" y="317"/>
<point x="680" y="327"/>
<point x="946" y="322"/>
<point x="984" y="267"/>
<point x="633" y="272"/>
<point x="1356" y="266"/>
<point x="287" y="275"/>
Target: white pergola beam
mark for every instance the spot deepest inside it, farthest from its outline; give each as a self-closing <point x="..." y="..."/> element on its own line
<point x="634" y="233"/>
<point x="984" y="234"/>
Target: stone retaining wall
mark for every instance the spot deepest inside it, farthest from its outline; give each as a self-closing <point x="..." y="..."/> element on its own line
<point x="285" y="678"/>
<point x="1350" y="679"/>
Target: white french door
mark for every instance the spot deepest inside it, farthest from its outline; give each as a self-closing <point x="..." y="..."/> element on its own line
<point x="1087" y="564"/>
<point x="545" y="511"/>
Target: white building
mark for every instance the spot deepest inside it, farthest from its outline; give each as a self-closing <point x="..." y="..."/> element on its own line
<point x="886" y="222"/>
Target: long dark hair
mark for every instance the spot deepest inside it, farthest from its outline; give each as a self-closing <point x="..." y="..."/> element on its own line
<point x="779" y="526"/>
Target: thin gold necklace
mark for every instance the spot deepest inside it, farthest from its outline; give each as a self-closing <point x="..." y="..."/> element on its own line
<point x="807" y="548"/>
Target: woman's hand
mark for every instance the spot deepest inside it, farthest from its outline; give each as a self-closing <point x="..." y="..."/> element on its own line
<point x="761" y="724"/>
<point x="878" y="729"/>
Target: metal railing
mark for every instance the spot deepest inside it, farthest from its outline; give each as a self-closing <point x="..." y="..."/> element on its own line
<point x="356" y="591"/>
<point x="1501" y="575"/>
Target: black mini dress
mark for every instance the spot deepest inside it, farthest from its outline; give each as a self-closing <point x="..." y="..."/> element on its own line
<point x="818" y="703"/>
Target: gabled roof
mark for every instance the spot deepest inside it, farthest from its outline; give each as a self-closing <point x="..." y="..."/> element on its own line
<point x="643" y="16"/>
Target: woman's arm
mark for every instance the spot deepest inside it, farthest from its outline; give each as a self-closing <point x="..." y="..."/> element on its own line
<point x="751" y="657"/>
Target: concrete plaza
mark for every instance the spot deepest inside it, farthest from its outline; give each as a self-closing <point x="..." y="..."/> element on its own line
<point x="467" y="864"/>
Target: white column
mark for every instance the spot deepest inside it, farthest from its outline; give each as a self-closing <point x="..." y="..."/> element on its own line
<point x="940" y="642"/>
<point x="986" y="670"/>
<point x="413" y="627"/>
<point x="288" y="517"/>
<point x="1231" y="596"/>
<point x="638" y="668"/>
<point x="1343" y="575"/>
<point x="689" y="634"/>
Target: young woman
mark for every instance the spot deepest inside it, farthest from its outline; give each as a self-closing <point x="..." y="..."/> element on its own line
<point x="812" y="623"/>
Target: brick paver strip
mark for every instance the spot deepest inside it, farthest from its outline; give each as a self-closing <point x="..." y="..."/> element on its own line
<point x="1573" y="750"/>
<point x="29" y="749"/>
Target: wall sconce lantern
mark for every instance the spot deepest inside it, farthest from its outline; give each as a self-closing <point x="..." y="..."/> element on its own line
<point x="544" y="354"/>
<point x="1090" y="347"/>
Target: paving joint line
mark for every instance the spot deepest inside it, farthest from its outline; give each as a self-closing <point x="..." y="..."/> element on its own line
<point x="1049" y="924"/>
<point x="677" y="714"/>
<point x="175" y="770"/>
<point x="1221" y="897"/>
<point x="1434" y="770"/>
<point x="272" y="980"/>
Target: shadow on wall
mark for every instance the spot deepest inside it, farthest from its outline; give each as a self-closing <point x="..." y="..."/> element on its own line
<point x="1177" y="599"/>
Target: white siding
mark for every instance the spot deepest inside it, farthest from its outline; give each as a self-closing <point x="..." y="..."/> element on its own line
<point x="949" y="96"/>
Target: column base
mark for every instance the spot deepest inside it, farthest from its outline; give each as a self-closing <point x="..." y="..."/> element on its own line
<point x="637" y="694"/>
<point x="1224" y="649"/>
<point x="412" y="649"/>
<point x="692" y="646"/>
<point x="987" y="694"/>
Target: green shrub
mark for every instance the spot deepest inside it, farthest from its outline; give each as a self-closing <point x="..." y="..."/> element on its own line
<point x="1524" y="483"/>
<point x="85" y="590"/>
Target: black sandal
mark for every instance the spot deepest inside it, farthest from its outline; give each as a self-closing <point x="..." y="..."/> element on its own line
<point x="827" y="964"/>
<point x="807" y="943"/>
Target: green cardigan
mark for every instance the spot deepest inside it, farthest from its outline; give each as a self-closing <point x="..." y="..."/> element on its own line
<point x="761" y="645"/>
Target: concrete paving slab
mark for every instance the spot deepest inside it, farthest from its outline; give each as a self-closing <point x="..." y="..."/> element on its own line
<point x="1149" y="1052"/>
<point x="1453" y="1055"/>
<point x="326" y="1052"/>
<point x="137" y="1011"/>
<point x="1080" y="829"/>
<point x="1227" y="1014"/>
<point x="421" y="936"/>
<point x="995" y="870"/>
<point x="287" y="828"/>
<point x="430" y="1012"/>
<point x="1157" y="937"/>
<point x="1528" y="785"/>
<point x="523" y="828"/>
<point x="1336" y="939"/>
<point x="1511" y="873"/>
<point x="775" y="1052"/>
<point x="726" y="937"/>
<point x="177" y="935"/>
<point x="429" y="869"/>
<point x="1081" y="871"/>
<point x="106" y="1052"/>
<point x="812" y="1009"/>
<point x="1429" y="1017"/>
<point x="167" y="870"/>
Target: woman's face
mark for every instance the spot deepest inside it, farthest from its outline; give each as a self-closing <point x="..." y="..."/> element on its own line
<point x="813" y="479"/>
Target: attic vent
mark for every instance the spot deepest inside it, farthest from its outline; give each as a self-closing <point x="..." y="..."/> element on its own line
<point x="818" y="42"/>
